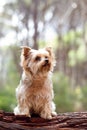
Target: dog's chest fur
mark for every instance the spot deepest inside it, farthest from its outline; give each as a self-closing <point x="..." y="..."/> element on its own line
<point x="37" y="93"/>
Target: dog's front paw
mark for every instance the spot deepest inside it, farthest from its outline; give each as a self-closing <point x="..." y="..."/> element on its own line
<point x="16" y="111"/>
<point x="25" y="112"/>
<point x="54" y="113"/>
<point x="46" y="115"/>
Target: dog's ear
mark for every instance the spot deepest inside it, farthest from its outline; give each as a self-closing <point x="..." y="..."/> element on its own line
<point x="25" y="51"/>
<point x="49" y="49"/>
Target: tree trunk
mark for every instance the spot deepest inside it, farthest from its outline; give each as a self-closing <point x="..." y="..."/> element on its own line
<point x="35" y="16"/>
<point x="63" y="121"/>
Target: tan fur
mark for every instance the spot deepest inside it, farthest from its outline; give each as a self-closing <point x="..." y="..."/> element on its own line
<point x="35" y="91"/>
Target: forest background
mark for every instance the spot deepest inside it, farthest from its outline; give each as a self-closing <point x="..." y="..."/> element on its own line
<point x="61" y="24"/>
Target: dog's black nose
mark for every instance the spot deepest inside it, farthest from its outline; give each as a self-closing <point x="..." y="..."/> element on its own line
<point x="46" y="60"/>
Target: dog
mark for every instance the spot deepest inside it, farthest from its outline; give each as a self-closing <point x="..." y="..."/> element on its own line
<point x="35" y="91"/>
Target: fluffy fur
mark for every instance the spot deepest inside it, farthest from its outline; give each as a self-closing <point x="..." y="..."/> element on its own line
<point x="35" y="91"/>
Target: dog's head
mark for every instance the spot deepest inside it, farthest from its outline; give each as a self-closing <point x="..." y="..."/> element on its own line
<point x="37" y="61"/>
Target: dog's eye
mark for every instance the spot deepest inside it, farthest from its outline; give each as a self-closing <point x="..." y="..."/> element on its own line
<point x="38" y="58"/>
<point x="46" y="57"/>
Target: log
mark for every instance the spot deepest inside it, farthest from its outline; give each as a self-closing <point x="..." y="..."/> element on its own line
<point x="63" y="121"/>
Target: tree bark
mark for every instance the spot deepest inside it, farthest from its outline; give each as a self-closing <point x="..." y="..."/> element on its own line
<point x="63" y="121"/>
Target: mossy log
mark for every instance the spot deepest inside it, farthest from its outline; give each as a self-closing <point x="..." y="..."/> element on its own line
<point x="63" y="121"/>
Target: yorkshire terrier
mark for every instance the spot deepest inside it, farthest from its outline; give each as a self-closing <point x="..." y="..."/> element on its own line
<point x="35" y="91"/>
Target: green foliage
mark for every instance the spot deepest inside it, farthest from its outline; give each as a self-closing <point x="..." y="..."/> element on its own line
<point x="66" y="98"/>
<point x="7" y="92"/>
<point x="74" y="40"/>
<point x="72" y="58"/>
<point x="7" y="99"/>
<point x="73" y="37"/>
<point x="68" y="37"/>
<point x="27" y="2"/>
<point x="84" y="98"/>
<point x="78" y="55"/>
<point x="41" y="43"/>
<point x="81" y="53"/>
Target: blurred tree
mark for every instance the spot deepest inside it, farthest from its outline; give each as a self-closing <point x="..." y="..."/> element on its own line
<point x="26" y="22"/>
<point x="69" y="15"/>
